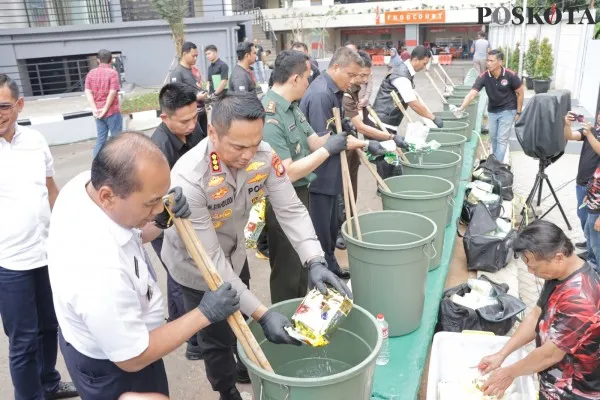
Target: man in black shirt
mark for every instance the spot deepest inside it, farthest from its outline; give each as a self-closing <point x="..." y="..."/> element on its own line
<point x="218" y="71"/>
<point x="242" y="79"/>
<point x="589" y="160"/>
<point x="505" y="93"/>
<point x="187" y="73"/>
<point x="175" y="136"/>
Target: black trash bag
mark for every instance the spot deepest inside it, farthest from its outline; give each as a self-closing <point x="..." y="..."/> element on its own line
<point x="498" y="318"/>
<point x="540" y="127"/>
<point x="495" y="208"/>
<point x="486" y="253"/>
<point x="494" y="170"/>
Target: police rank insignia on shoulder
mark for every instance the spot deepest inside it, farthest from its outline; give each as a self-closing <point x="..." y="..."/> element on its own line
<point x="277" y="165"/>
<point x="270" y="107"/>
<point x="215" y="163"/>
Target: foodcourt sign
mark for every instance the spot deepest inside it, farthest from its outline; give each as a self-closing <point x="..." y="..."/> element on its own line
<point x="415" y="17"/>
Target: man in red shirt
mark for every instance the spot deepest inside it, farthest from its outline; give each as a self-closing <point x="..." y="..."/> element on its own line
<point x="101" y="88"/>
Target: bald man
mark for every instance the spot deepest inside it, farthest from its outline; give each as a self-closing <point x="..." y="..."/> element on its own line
<point x="107" y="300"/>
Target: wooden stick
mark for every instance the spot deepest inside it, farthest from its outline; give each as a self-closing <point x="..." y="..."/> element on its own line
<point x="441" y="78"/>
<point x="345" y="171"/>
<point x="353" y="207"/>
<point x="366" y="163"/>
<point x="398" y="104"/>
<point x="447" y="76"/>
<point x="422" y="102"/>
<point x="213" y="280"/>
<point x="375" y="117"/>
<point x="436" y="88"/>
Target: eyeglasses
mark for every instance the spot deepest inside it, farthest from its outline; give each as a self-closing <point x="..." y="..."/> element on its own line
<point x="5" y="108"/>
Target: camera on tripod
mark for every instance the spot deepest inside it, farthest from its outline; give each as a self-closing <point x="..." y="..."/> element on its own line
<point x="540" y="132"/>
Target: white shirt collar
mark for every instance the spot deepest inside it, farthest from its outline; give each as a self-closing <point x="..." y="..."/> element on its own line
<point x="410" y="67"/>
<point x="17" y="133"/>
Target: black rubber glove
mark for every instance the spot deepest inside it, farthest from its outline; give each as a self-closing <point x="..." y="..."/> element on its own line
<point x="273" y="324"/>
<point x="376" y="148"/>
<point x="319" y="275"/>
<point x="335" y="144"/>
<point x="400" y="142"/>
<point x="438" y="121"/>
<point x="348" y="127"/>
<point x="220" y="304"/>
<point x="181" y="209"/>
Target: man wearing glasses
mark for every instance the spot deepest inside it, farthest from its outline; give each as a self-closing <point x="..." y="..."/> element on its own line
<point x="27" y="195"/>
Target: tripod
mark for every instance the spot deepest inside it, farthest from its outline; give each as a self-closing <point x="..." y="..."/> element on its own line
<point x="540" y="178"/>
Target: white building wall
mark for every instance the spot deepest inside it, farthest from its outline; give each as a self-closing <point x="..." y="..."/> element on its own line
<point x="12" y="14"/>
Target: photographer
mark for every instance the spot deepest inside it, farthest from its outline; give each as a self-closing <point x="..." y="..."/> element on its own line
<point x="589" y="160"/>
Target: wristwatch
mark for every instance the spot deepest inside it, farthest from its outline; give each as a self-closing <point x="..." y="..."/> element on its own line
<point x="518" y="112"/>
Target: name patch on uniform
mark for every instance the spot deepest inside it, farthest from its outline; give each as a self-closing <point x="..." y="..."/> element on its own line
<point x="270" y="107"/>
<point x="136" y="267"/>
<point x="217" y="224"/>
<point x="254" y="165"/>
<point x="220" y="193"/>
<point x="272" y="121"/>
<point x="224" y="215"/>
<point x="277" y="165"/>
<point x="216" y="180"/>
<point x="292" y="127"/>
<point x="258" y="178"/>
<point x="222" y="204"/>
<point x="215" y="163"/>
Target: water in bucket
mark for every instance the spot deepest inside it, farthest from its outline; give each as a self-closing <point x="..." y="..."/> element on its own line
<point x="318" y="366"/>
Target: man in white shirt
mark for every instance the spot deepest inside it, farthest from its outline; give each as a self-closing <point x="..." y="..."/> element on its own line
<point x="107" y="300"/>
<point x="27" y="194"/>
<point x="480" y="49"/>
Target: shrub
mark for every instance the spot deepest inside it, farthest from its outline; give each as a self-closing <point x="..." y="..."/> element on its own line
<point x="140" y="102"/>
<point x="531" y="57"/>
<point x="544" y="65"/>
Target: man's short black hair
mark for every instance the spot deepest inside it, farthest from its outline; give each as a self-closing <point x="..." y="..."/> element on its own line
<point x="268" y="51"/>
<point x="420" y="52"/>
<point x="186" y="47"/>
<point x="105" y="56"/>
<point x="236" y="106"/>
<point x="544" y="240"/>
<point x="297" y="45"/>
<point x="7" y="81"/>
<point x="243" y="49"/>
<point x="115" y="165"/>
<point x="174" y="96"/>
<point x="344" y="57"/>
<point x="287" y="64"/>
<point x="211" y="47"/>
<point x="366" y="59"/>
<point x="497" y="53"/>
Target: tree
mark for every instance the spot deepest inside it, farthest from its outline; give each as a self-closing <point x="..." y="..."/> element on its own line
<point x="544" y="65"/>
<point x="531" y="57"/>
<point x="173" y="11"/>
<point x="513" y="61"/>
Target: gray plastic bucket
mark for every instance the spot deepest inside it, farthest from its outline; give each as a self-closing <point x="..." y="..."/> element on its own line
<point x="389" y="266"/>
<point x="454" y="126"/>
<point x="424" y="195"/>
<point x="440" y="163"/>
<point x="347" y="364"/>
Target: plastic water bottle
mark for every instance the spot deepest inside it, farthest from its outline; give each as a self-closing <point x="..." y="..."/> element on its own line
<point x="384" y="355"/>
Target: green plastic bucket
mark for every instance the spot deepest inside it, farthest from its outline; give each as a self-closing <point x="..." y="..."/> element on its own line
<point x="424" y="195"/>
<point x="449" y="116"/>
<point x="471" y="108"/>
<point x="389" y="267"/>
<point x="454" y="126"/>
<point x="341" y="370"/>
<point x="440" y="163"/>
<point x="449" y="141"/>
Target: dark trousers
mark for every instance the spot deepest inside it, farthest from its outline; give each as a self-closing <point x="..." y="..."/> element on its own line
<point x="325" y="217"/>
<point x="203" y="121"/>
<point x="262" y="243"/>
<point x="28" y="318"/>
<point x="102" y="379"/>
<point x="289" y="278"/>
<point x="353" y="165"/>
<point x="217" y="342"/>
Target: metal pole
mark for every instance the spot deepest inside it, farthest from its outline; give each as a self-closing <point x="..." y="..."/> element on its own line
<point x="523" y="38"/>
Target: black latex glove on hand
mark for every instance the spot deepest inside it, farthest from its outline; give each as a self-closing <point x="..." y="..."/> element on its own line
<point x="376" y="148"/>
<point x="348" y="127"/>
<point x="273" y="324"/>
<point x="335" y="144"/>
<point x="319" y="275"/>
<point x="220" y="304"/>
<point x="438" y="121"/>
<point x="180" y="209"/>
<point x="400" y="142"/>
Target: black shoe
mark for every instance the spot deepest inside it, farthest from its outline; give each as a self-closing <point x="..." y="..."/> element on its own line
<point x="581" y="245"/>
<point x="340" y="243"/>
<point x="232" y="394"/>
<point x="193" y="352"/>
<point x="242" y="373"/>
<point x="66" y="390"/>
<point x="583" y="255"/>
<point x="342" y="273"/>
